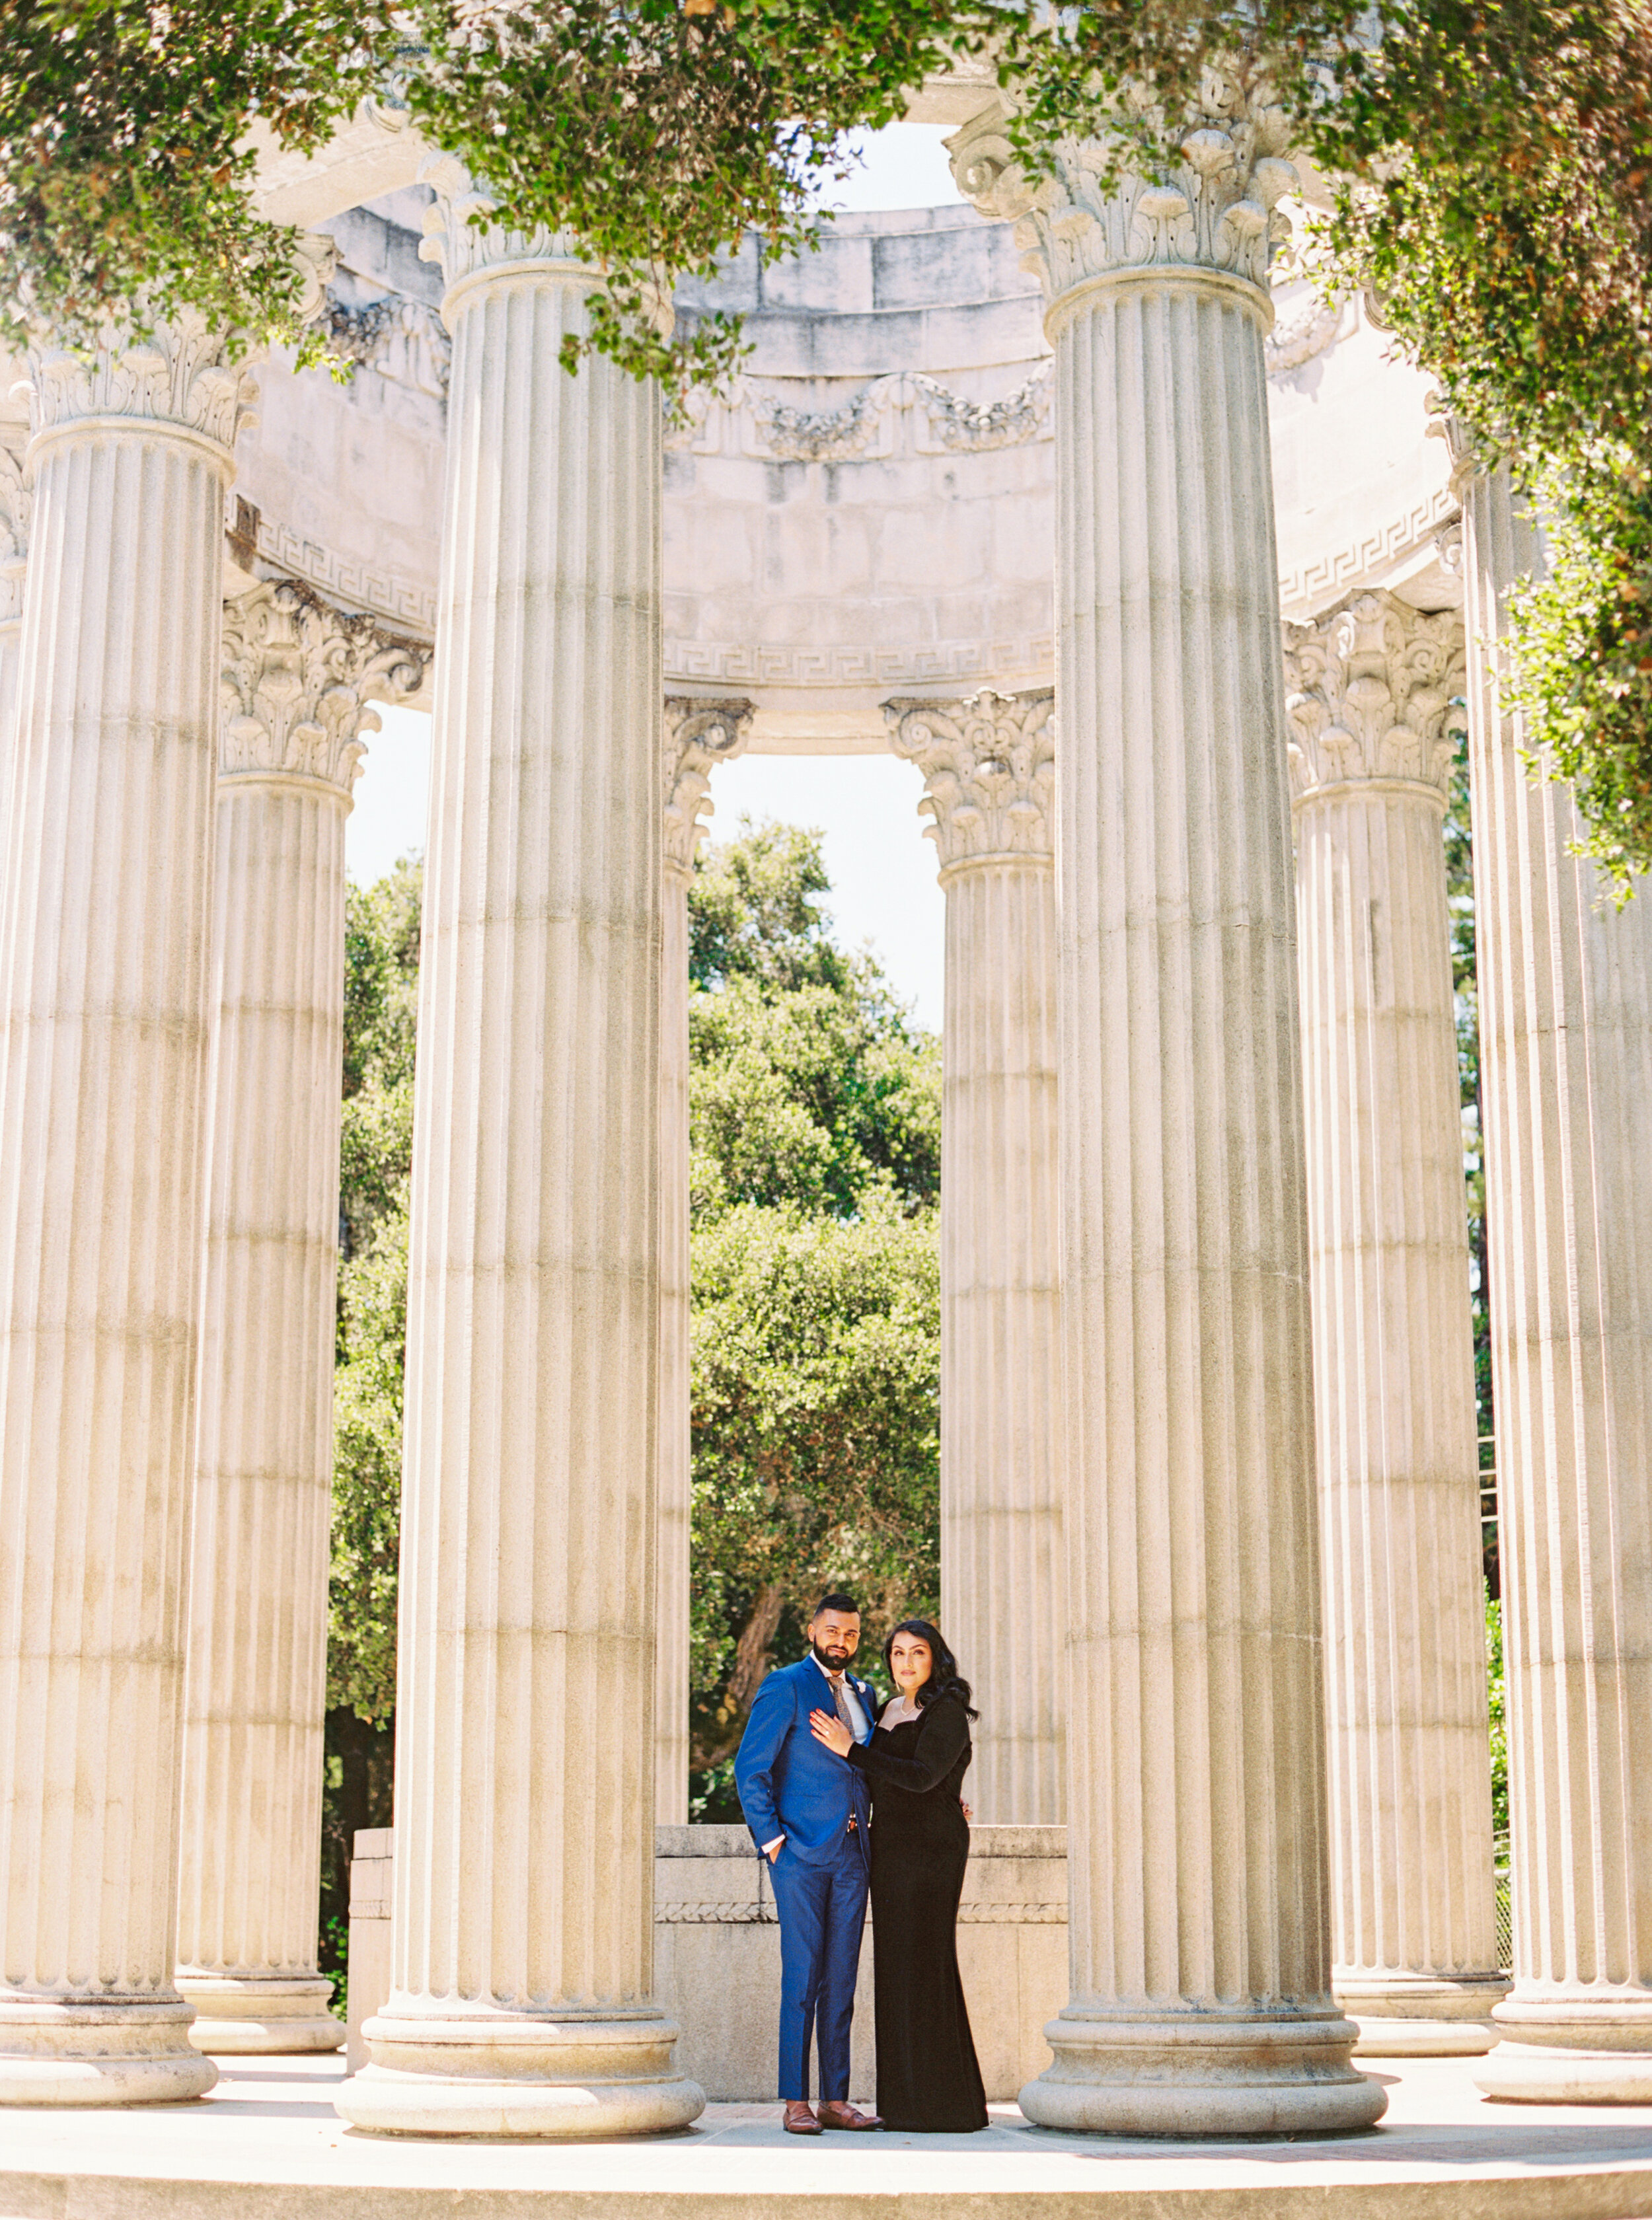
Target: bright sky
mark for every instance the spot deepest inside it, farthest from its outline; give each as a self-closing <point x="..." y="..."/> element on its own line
<point x="882" y="869"/>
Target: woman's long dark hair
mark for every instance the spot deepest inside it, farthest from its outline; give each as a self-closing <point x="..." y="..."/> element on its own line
<point x="944" y="1678"/>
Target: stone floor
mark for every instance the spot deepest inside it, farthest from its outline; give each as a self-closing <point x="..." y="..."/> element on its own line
<point x="267" y="2145"/>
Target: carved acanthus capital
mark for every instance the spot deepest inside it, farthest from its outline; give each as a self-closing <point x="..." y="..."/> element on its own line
<point x="297" y="677"/>
<point x="1369" y="695"/>
<point x="458" y="236"/>
<point x="698" y="736"/>
<point x="1216" y="210"/>
<point x="179" y="373"/>
<point x="989" y="774"/>
<point x="16" y="502"/>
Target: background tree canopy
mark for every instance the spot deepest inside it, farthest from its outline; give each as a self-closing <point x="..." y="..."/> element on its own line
<point x="815" y="1123"/>
<point x="381" y="979"/>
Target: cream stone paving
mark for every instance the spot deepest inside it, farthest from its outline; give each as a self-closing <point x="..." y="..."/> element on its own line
<point x="267" y="2145"/>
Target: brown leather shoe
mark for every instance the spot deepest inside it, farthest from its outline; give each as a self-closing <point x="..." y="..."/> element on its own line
<point x="836" y="2115"/>
<point x="797" y="2119"/>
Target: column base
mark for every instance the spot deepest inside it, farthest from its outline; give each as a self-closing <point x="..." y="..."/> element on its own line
<point x="99" y="2052"/>
<point x="1417" y="2016"/>
<point x="1212" y="2074"/>
<point x="1571" y="2050"/>
<point x="248" y="2016"/>
<point x="561" y="2078"/>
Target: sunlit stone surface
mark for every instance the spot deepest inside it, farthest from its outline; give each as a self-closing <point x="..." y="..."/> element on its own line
<point x="1566" y="1035"/>
<point x="105" y="1001"/>
<point x="1413" y="1914"/>
<point x="989" y="785"/>
<point x="523" y="1931"/>
<point x="297" y="677"/>
<point x="1201" y="1999"/>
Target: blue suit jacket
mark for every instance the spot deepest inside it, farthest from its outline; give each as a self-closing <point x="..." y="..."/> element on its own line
<point x="791" y="1785"/>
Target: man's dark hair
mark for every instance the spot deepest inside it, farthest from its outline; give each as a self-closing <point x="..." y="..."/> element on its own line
<point x="834" y="1601"/>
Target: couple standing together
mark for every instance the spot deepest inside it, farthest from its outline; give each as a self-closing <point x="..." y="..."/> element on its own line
<point x="842" y="1793"/>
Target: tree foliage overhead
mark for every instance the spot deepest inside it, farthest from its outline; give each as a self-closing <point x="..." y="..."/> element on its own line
<point x="1501" y="204"/>
<point x="125" y="167"/>
<point x="657" y="132"/>
<point x="1492" y="161"/>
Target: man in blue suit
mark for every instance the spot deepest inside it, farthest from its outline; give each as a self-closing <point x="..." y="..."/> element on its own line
<point x="807" y="1808"/>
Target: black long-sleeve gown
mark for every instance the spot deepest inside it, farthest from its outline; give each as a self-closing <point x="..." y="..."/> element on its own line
<point x="927" y="2075"/>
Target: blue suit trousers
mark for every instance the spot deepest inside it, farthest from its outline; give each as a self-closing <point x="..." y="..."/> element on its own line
<point x="822" y="1910"/>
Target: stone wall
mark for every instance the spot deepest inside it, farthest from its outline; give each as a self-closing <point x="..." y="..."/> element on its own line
<point x="717" y="1954"/>
<point x="869" y="508"/>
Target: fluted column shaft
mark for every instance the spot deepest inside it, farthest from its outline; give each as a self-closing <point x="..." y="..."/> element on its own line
<point x="1413" y="1911"/>
<point x="103" y="987"/>
<point x="697" y="735"/>
<point x="521" y="1998"/>
<point x="674" y="1486"/>
<point x="1566" y="1048"/>
<point x="14" y="565"/>
<point x="296" y="678"/>
<point x="989" y="780"/>
<point x="1201" y="1997"/>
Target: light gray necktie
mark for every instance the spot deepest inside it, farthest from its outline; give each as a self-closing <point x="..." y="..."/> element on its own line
<point x="840" y="1696"/>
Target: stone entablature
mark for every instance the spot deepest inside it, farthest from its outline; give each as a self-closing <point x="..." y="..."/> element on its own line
<point x="870" y="510"/>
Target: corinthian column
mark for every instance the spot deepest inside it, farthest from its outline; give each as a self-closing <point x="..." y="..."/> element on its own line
<point x="1201" y="1998"/>
<point x="522" y="1968"/>
<point x="989" y="783"/>
<point x="104" y="999"/>
<point x="1566" y="1047"/>
<point x="698" y="735"/>
<point x="1413" y="1911"/>
<point x="297" y="679"/>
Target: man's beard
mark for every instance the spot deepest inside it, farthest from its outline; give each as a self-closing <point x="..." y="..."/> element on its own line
<point x="832" y="1664"/>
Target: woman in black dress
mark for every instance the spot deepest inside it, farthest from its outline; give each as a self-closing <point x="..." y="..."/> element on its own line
<point x="927" y="2076"/>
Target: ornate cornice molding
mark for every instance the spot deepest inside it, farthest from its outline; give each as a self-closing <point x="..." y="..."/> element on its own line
<point x="1217" y="212"/>
<point x="989" y="774"/>
<point x="753" y="418"/>
<point x="832" y="435"/>
<point x="968" y="427"/>
<point x="1369" y="692"/>
<point x="699" y="734"/>
<point x="297" y="678"/>
<point x="179" y="374"/>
